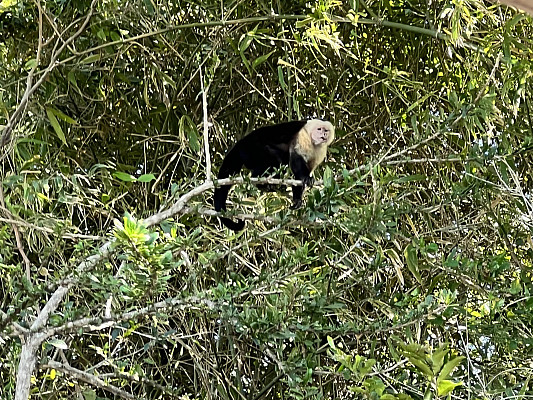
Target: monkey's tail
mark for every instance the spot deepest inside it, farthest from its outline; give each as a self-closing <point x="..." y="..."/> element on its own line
<point x="230" y="166"/>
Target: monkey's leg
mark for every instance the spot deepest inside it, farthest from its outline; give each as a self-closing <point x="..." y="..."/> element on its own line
<point x="301" y="172"/>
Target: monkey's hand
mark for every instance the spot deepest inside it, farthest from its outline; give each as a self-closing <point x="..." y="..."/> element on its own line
<point x="308" y="181"/>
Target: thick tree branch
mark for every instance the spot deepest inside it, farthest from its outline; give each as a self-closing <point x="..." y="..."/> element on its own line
<point x="28" y="358"/>
<point x="34" y="339"/>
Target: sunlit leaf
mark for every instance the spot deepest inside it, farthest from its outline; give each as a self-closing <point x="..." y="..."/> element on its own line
<point x="449" y="367"/>
<point x="146" y="178"/>
<point x="124" y="176"/>
<point x="445" y="387"/>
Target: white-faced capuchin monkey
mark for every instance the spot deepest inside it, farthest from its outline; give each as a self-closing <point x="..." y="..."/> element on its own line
<point x="300" y="144"/>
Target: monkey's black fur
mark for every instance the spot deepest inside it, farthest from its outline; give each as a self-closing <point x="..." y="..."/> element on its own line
<point x="267" y="149"/>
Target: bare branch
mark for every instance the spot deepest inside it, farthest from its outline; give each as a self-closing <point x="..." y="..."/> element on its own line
<point x="99" y="323"/>
<point x="71" y="236"/>
<point x="28" y="358"/>
<point x="33" y="340"/>
<point x="88" y="378"/>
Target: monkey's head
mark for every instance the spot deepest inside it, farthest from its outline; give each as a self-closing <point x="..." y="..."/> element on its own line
<point x="321" y="132"/>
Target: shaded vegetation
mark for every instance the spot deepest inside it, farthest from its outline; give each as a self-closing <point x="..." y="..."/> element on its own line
<point x="407" y="275"/>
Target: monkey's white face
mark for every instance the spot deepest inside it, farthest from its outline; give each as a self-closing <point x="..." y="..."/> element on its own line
<point x="322" y="133"/>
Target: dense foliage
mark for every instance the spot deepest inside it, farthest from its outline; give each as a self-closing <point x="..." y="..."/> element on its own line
<point x="407" y="275"/>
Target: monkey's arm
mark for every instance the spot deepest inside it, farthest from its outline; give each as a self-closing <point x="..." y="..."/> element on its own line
<point x="302" y="172"/>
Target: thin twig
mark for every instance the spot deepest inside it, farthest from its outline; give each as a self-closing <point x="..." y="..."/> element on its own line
<point x="263" y="391"/>
<point x="88" y="378"/>
<point x="92" y="324"/>
<point x="71" y="236"/>
<point x="18" y="240"/>
<point x="206" y="128"/>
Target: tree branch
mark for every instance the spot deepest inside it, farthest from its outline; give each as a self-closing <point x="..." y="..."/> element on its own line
<point x="88" y="378"/>
<point x="98" y="323"/>
<point x="206" y="129"/>
<point x="18" y="239"/>
<point x="34" y="339"/>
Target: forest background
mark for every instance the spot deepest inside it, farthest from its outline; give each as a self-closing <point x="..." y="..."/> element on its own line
<point x="406" y="275"/>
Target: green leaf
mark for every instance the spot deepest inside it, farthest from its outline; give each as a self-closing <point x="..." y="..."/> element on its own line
<point x="414" y="123"/>
<point x="63" y="116"/>
<point x="515" y="20"/>
<point x="115" y="37"/>
<point x="43" y="197"/>
<point x="411" y="178"/>
<point x="331" y="342"/>
<point x="412" y="262"/>
<point x="303" y="22"/>
<point x="421" y="366"/>
<point x="194" y="141"/>
<point x="449" y="367"/>
<point x="90" y="59"/>
<point x="89" y="395"/>
<point x="167" y="79"/>
<point x="261" y="59"/>
<point x="403" y="396"/>
<point x="188" y="128"/>
<point x="149" y="7"/>
<point x="504" y="172"/>
<point x="445" y="387"/>
<point x="55" y="124"/>
<point x="437" y="358"/>
<point x="328" y="177"/>
<point x="72" y="78"/>
<point x="124" y="176"/>
<point x="30" y="64"/>
<point x="245" y="43"/>
<point x="101" y="35"/>
<point x="281" y="79"/>
<point x="146" y="178"/>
